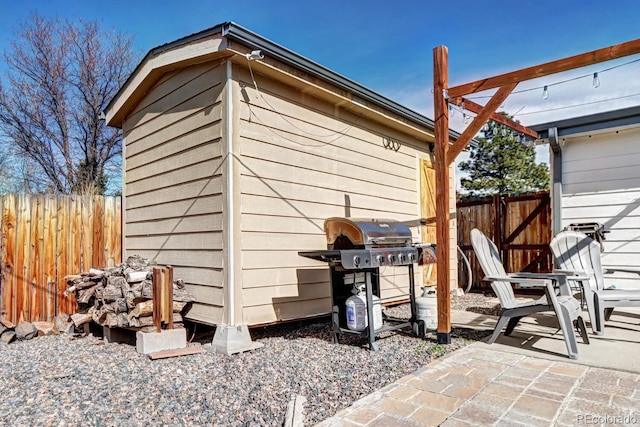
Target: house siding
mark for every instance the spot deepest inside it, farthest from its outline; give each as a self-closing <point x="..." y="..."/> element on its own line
<point x="174" y="180"/>
<point x="303" y="160"/>
<point x="601" y="183"/>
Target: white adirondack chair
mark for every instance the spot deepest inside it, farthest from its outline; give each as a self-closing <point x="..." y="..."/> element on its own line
<point x="566" y="307"/>
<point x="577" y="253"/>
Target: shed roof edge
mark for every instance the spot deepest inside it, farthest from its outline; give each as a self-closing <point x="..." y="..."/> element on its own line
<point x="237" y="33"/>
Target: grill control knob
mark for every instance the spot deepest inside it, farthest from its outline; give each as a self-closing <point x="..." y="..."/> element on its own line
<point x="402" y="257"/>
<point x="380" y="259"/>
<point x="391" y="258"/>
<point x="412" y="257"/>
<point x="356" y="260"/>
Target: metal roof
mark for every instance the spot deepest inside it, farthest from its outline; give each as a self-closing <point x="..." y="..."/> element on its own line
<point x="235" y="32"/>
<point x="590" y="123"/>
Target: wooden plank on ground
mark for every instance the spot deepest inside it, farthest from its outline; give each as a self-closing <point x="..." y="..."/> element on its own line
<point x="176" y="352"/>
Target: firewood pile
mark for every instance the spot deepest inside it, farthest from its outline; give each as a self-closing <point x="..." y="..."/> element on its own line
<point x="122" y="296"/>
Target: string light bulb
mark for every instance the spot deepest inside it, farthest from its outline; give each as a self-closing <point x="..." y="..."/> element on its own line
<point x="545" y="93"/>
<point x="466" y="118"/>
<point x="596" y="80"/>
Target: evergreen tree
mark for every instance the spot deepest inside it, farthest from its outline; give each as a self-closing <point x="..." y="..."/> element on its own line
<point x="501" y="164"/>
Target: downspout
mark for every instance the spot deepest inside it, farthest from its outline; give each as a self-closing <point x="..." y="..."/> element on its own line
<point x="230" y="198"/>
<point x="556" y="207"/>
<point x="231" y="338"/>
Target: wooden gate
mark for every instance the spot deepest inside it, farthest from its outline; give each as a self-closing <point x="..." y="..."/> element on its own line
<point x="45" y="238"/>
<point x="520" y="226"/>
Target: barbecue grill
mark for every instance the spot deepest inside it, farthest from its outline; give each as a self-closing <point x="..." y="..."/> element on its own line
<point x="356" y="249"/>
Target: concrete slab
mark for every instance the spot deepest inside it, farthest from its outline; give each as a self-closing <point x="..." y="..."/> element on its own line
<point x="526" y="379"/>
<point x="167" y="339"/>
<point x="539" y="336"/>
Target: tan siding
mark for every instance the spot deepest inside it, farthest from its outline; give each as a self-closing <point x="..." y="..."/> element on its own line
<point x="191" y="198"/>
<point x="376" y="204"/>
<point x="174" y="182"/>
<point x="199" y="275"/>
<point x="184" y="258"/>
<point x="195" y="171"/>
<point x="293" y="292"/>
<point x="205" y="313"/>
<point x="178" y="241"/>
<point x="207" y="294"/>
<point x="311" y="162"/>
<point x="254" y="278"/>
<point x="161" y="99"/>
<point x="342" y="177"/>
<point x="189" y="223"/>
<point x="182" y="143"/>
<point x="290" y="309"/>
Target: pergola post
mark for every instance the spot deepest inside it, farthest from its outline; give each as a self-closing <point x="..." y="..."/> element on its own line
<point x="441" y="113"/>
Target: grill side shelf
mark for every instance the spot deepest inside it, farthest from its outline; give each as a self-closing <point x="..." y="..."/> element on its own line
<point x="323" y="255"/>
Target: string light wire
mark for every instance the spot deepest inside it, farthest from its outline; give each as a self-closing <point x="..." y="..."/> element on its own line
<point x="548" y="85"/>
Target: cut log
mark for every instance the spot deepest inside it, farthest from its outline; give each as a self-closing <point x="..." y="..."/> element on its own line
<point x="111" y="293"/>
<point x="118" y="282"/>
<point x="146" y="308"/>
<point x="82" y="318"/>
<point x="136" y="276"/>
<point x="95" y="272"/>
<point x="120" y="306"/>
<point x="136" y="288"/>
<point x="138" y="322"/>
<point x="83" y="296"/>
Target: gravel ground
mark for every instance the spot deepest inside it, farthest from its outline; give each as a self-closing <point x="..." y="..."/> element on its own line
<point x="66" y="381"/>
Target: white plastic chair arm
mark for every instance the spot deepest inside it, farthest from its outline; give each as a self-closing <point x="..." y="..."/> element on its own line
<point x="571" y="273"/>
<point x="611" y="270"/>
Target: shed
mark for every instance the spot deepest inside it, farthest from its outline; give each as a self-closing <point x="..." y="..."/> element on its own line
<point x="595" y="165"/>
<point x="235" y="150"/>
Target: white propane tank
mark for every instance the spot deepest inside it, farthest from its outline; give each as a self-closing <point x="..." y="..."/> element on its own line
<point x="427" y="307"/>
<point x="356" y="306"/>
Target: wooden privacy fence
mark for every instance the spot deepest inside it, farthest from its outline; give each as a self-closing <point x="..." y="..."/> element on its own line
<point x="45" y="238"/>
<point x="520" y="226"/>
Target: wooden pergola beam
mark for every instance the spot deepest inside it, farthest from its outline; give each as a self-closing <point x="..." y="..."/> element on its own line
<point x="496" y="117"/>
<point x="474" y="127"/>
<point x="558" y="66"/>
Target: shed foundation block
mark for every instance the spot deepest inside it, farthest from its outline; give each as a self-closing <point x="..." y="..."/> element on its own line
<point x="118" y="335"/>
<point x="167" y="339"/>
<point x="232" y="339"/>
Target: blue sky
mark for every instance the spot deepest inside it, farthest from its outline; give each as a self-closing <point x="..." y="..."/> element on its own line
<point x="387" y="46"/>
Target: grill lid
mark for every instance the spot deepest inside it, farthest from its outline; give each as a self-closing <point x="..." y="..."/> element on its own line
<point x="347" y="233"/>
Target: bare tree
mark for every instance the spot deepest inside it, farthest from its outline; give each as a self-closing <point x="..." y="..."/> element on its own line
<point x="60" y="76"/>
